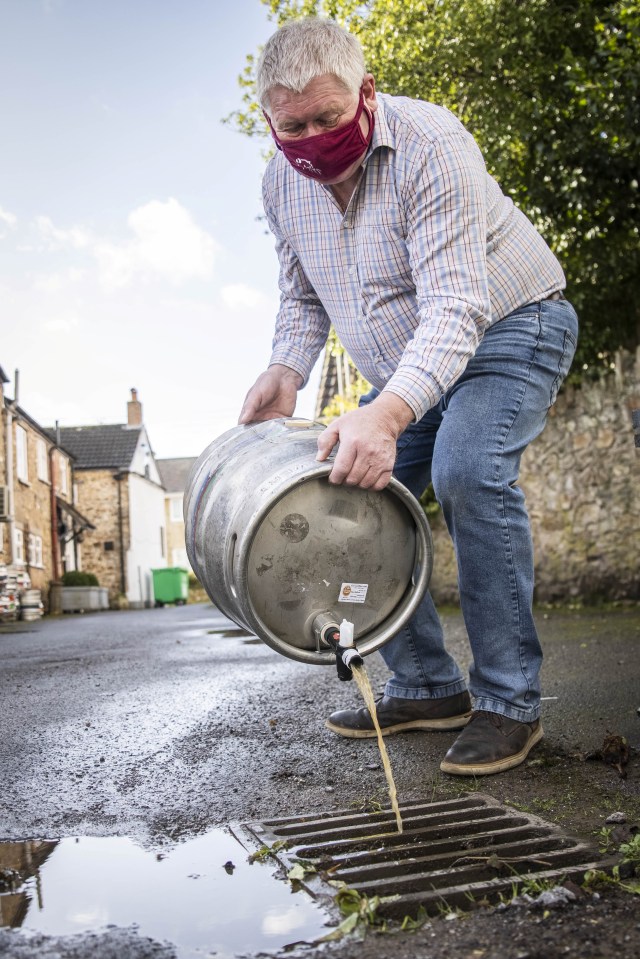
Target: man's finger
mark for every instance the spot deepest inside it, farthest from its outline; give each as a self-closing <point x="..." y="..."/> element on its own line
<point x="343" y="466"/>
<point x="383" y="480"/>
<point x="326" y="442"/>
<point x="246" y="415"/>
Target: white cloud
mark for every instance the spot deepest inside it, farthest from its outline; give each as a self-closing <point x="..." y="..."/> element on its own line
<point x="166" y="242"/>
<point x="76" y="238"/>
<point x="56" y="282"/>
<point x="239" y="296"/>
<point x="60" y="324"/>
<point x="9" y="218"/>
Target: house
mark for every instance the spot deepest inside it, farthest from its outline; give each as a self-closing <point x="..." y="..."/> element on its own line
<point x="120" y="490"/>
<point x="40" y="524"/>
<point x="174" y="474"/>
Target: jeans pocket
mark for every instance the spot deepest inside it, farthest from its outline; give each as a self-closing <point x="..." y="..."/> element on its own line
<point x="568" y="351"/>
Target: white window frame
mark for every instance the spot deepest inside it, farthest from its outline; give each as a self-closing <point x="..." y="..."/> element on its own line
<point x="34" y="550"/>
<point x="18" y="547"/>
<point x="22" y="454"/>
<point x="42" y="462"/>
<point x="63" y="465"/>
<point x="1" y="537"/>
<point x="176" y="509"/>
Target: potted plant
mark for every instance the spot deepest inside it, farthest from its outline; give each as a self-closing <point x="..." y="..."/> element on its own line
<point x="78" y="592"/>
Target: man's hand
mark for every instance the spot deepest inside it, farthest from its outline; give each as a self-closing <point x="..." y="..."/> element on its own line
<point x="273" y="394"/>
<point x="367" y="438"/>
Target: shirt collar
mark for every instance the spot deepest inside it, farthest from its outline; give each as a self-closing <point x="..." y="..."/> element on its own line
<point x="382" y="133"/>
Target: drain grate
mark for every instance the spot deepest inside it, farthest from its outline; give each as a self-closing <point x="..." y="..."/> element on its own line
<point x="454" y="852"/>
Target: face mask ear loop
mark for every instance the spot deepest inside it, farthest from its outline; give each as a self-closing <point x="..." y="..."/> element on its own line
<point x="273" y="132"/>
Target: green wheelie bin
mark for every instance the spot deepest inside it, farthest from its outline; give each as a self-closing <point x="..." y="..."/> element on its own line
<point x="170" y="585"/>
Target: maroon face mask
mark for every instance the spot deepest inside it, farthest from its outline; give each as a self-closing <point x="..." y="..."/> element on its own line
<point x="327" y="155"/>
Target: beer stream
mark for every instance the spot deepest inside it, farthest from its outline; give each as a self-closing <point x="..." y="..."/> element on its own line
<point x="364" y="685"/>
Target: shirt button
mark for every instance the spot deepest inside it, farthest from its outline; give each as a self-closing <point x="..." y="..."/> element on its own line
<point x="352" y="270"/>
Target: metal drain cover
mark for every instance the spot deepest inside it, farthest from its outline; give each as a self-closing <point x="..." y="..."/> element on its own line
<point x="454" y="852"/>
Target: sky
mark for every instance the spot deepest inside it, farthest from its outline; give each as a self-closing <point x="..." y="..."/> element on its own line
<point x="132" y="253"/>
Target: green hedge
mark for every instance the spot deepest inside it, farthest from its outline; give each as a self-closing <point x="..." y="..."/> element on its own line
<point x="75" y="577"/>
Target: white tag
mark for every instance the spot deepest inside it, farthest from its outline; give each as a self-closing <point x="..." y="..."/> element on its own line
<point x="353" y="592"/>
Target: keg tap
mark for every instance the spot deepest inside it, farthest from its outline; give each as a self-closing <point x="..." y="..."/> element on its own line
<point x="340" y="640"/>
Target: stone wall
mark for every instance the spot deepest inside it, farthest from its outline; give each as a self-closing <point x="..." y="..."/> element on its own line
<point x="582" y="484"/>
<point x="101" y="547"/>
<point x="176" y="546"/>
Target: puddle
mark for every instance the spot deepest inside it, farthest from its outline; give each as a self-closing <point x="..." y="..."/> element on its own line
<point x="230" y="633"/>
<point x="202" y="896"/>
<point x="221" y="632"/>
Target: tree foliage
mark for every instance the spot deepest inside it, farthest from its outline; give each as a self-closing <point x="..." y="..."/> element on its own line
<point x="550" y="90"/>
<point x="350" y="386"/>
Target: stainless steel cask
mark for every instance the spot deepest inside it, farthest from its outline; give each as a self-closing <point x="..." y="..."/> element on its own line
<point x="276" y="545"/>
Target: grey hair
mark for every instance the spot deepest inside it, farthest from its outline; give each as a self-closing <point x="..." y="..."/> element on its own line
<point x="307" y="48"/>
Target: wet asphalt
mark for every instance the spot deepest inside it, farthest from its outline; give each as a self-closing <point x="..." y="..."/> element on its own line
<point x="161" y="724"/>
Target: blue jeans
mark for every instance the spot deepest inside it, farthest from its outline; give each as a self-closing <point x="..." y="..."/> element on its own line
<point x="470" y="446"/>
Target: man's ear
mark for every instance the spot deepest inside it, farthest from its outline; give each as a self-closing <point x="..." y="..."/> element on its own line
<point x="369" y="92"/>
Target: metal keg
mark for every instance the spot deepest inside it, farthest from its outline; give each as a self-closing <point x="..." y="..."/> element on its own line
<point x="279" y="549"/>
<point x="31" y="607"/>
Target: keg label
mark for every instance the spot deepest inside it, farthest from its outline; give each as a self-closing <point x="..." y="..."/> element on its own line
<point x="353" y="592"/>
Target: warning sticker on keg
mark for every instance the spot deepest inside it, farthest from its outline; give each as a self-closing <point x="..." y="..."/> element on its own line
<point x="353" y="592"/>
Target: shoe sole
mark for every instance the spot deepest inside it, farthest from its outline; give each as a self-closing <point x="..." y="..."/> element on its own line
<point x="450" y="722"/>
<point x="487" y="769"/>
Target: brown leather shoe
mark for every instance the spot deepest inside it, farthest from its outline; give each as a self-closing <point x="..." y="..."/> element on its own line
<point x="490" y="744"/>
<point x="397" y="715"/>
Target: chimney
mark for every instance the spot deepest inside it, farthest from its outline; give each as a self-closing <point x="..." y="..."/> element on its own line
<point x="134" y="410"/>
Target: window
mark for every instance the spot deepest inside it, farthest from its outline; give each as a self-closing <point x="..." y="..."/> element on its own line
<point x="18" y="547"/>
<point x="175" y="509"/>
<point x="34" y="550"/>
<point x="22" y="467"/>
<point x="41" y="461"/>
<point x="1" y="537"/>
<point x="62" y="469"/>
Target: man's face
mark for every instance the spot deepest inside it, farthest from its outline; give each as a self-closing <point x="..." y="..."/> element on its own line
<point x="324" y="105"/>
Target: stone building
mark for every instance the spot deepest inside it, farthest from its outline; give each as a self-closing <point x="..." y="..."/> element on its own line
<point x="25" y="859"/>
<point x="120" y="491"/>
<point x="40" y="525"/>
<point x="174" y="474"/>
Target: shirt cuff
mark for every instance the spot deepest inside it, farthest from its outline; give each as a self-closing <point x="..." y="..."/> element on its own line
<point x="294" y="359"/>
<point x="419" y="390"/>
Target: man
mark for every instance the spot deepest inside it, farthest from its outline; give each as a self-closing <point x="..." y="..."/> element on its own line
<point x="450" y="303"/>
